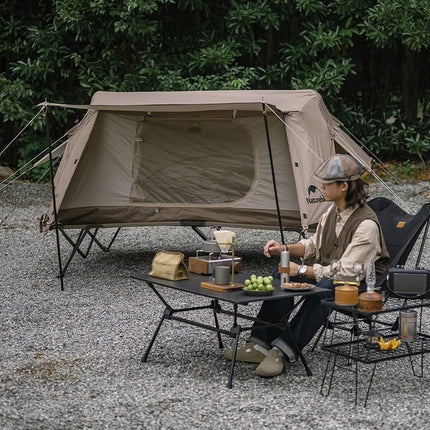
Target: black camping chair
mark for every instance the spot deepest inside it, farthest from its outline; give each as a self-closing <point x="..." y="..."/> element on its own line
<point x="401" y="232"/>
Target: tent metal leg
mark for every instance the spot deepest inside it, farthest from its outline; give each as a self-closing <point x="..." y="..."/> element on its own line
<point x="199" y="232"/>
<point x="100" y="245"/>
<point x="54" y="201"/>
<point x="76" y="245"/>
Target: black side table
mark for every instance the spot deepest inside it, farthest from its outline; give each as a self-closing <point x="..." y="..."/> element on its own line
<point x="358" y="349"/>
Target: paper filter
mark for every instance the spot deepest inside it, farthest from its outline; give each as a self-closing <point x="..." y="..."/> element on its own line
<point x="224" y="239"/>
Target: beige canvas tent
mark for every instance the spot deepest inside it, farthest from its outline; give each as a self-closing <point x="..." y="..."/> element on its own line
<point x="205" y="158"/>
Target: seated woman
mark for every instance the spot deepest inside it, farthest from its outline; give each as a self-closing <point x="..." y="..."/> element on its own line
<point x="349" y="231"/>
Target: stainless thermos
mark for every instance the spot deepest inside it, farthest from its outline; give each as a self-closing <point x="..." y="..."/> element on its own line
<point x="284" y="267"/>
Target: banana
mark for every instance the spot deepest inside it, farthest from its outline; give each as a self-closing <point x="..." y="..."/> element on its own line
<point x="389" y="345"/>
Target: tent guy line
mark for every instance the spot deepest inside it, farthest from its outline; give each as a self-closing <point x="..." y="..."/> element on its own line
<point x="24" y="168"/>
<point x="371" y="171"/>
<point x="21" y="131"/>
<point x="292" y="131"/>
<point x="379" y="162"/>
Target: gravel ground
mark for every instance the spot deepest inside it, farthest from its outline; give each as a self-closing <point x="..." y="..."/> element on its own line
<point x="71" y="359"/>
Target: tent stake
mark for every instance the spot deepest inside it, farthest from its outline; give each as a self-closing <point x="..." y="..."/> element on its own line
<point x="54" y="202"/>
<point x="278" y="210"/>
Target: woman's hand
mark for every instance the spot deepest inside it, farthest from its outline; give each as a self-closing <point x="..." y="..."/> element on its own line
<point x="273" y="248"/>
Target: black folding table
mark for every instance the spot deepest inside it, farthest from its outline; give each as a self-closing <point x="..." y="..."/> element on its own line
<point x="235" y="298"/>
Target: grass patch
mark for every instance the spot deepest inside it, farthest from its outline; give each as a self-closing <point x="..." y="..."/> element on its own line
<point x="401" y="171"/>
<point x="49" y="369"/>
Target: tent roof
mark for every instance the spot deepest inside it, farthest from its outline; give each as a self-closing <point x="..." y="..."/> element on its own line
<point x="182" y="101"/>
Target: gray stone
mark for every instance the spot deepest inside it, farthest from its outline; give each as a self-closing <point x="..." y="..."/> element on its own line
<point x="5" y="172"/>
<point x="72" y="359"/>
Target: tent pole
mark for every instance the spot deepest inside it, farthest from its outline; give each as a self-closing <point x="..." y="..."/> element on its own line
<point x="54" y="203"/>
<point x="269" y="146"/>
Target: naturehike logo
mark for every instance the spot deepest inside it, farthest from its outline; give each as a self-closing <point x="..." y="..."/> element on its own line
<point x="314" y="195"/>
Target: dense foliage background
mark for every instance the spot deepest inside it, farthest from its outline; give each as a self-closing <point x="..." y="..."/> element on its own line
<point x="370" y="60"/>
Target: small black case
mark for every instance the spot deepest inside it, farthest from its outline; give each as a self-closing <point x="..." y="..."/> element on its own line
<point x="408" y="283"/>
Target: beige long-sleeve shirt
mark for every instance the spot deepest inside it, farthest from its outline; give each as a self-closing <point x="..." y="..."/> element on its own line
<point x="365" y="246"/>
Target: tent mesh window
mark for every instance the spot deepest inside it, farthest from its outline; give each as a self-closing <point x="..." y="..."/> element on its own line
<point x="192" y="162"/>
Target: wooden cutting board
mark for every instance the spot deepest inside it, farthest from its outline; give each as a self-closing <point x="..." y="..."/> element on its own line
<point x="222" y="288"/>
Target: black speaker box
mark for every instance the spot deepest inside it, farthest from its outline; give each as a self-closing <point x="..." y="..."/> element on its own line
<point x="409" y="283"/>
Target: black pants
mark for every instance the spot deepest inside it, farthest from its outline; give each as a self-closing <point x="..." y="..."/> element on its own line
<point x="305" y="323"/>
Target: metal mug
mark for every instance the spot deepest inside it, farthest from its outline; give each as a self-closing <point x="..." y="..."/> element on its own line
<point x="222" y="275"/>
<point x="408" y="325"/>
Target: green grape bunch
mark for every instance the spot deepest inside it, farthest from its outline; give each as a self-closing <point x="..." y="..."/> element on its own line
<point x="259" y="283"/>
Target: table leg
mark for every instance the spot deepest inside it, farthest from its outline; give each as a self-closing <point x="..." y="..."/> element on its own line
<point x="325" y="377"/>
<point x="216" y="309"/>
<point x="233" y="358"/>
<point x="148" y="349"/>
<point x="299" y="351"/>
<point x="420" y="357"/>
<point x="368" y="388"/>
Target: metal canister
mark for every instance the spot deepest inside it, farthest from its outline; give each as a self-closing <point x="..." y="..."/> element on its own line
<point x="408" y="325"/>
<point x="284" y="267"/>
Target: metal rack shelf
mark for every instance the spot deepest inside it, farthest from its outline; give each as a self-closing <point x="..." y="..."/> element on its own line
<point x="356" y="349"/>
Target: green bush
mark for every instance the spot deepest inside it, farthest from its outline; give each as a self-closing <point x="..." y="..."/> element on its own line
<point x="369" y="60"/>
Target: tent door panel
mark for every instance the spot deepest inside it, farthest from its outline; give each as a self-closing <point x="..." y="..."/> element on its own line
<point x="199" y="161"/>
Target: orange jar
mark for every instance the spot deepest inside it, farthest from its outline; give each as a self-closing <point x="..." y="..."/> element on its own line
<point x="346" y="295"/>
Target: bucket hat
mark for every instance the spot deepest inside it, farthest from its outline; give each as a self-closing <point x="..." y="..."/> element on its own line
<point x="339" y="167"/>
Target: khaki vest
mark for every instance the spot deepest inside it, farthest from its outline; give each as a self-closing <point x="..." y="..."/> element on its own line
<point x="333" y="247"/>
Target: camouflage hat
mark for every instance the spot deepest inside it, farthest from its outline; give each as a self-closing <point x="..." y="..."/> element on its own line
<point x="339" y="167"/>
